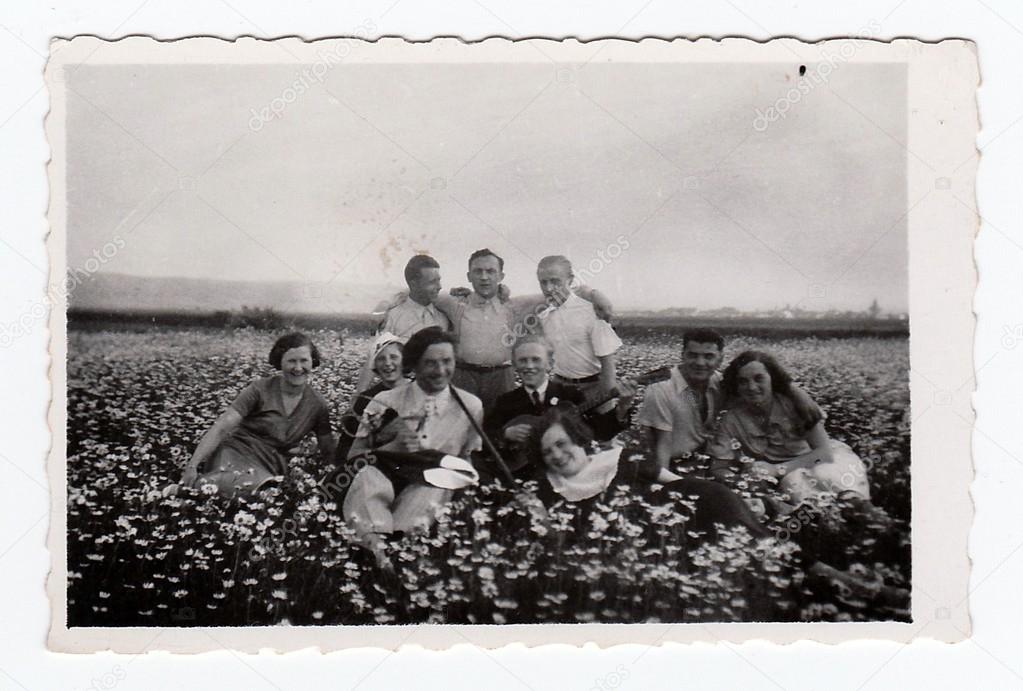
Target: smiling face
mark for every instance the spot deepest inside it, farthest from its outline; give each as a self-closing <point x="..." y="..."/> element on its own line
<point x="387" y="364"/>
<point x="296" y="365"/>
<point x="485" y="275"/>
<point x="532" y="363"/>
<point x="561" y="455"/>
<point x="754" y="385"/>
<point x="435" y="367"/>
<point x="426" y="287"/>
<point x="555" y="282"/>
<point x="699" y="362"/>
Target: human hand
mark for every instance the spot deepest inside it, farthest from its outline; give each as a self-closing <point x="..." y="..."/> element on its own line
<point x="519" y="434"/>
<point x="407" y="438"/>
<point x="503" y="294"/>
<point x="189" y="475"/>
<point x="532" y="504"/>
<point x="626" y="390"/>
<point x="460" y="292"/>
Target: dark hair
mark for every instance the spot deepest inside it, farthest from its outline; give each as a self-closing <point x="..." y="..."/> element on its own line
<point x="781" y="382"/>
<point x="413" y="350"/>
<point x="293" y="340"/>
<point x="485" y="252"/>
<point x="703" y="336"/>
<point x="566" y="415"/>
<point x="417" y="264"/>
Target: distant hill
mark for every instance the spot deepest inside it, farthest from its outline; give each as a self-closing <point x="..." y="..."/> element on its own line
<point x="124" y="293"/>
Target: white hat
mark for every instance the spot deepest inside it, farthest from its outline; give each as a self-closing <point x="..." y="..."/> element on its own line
<point x="382" y="341"/>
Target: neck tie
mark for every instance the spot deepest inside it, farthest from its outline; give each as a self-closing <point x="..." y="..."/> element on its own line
<point x="701" y="400"/>
<point x="537" y="403"/>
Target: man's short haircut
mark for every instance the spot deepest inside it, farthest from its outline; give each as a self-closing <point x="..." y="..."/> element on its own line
<point x="289" y="341"/>
<point x="413" y="350"/>
<point x="555" y="260"/>
<point x="533" y="338"/>
<point x="417" y="264"/>
<point x="703" y="336"/>
<point x="486" y="252"/>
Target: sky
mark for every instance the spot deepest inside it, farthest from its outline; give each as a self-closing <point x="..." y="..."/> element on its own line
<point x="661" y="166"/>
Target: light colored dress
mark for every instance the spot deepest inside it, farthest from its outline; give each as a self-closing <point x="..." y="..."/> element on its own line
<point x="780" y="436"/>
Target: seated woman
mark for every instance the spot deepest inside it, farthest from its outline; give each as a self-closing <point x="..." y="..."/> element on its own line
<point x="761" y="423"/>
<point x="246" y="446"/>
<point x="386" y="365"/>
<point x="574" y="474"/>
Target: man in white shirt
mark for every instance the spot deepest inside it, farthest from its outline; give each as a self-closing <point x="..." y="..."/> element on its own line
<point x="480" y="322"/>
<point x="584" y="345"/>
<point x="414" y="311"/>
<point x="428" y="416"/>
<point x="678" y="414"/>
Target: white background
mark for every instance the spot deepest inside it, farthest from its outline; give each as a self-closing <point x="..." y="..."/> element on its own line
<point x="990" y="659"/>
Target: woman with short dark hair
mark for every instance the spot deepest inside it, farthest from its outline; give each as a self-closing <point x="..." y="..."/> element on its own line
<point x="245" y="448"/>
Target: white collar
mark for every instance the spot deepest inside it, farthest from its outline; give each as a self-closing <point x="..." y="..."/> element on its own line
<point x="440" y="399"/>
<point x="593" y="479"/>
<point x="542" y="389"/>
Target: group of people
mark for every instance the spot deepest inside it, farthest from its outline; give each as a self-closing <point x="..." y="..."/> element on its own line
<point x="461" y="388"/>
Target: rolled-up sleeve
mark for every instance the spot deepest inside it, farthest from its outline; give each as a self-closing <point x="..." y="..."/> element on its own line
<point x="604" y="339"/>
<point x="654" y="412"/>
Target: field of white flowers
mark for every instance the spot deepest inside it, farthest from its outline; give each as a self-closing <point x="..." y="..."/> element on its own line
<point x="138" y="402"/>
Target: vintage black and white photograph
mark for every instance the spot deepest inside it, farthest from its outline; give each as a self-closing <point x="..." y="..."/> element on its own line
<point x="376" y="334"/>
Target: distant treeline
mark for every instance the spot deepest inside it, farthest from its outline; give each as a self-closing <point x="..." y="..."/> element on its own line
<point x="759" y="327"/>
<point x="626" y="325"/>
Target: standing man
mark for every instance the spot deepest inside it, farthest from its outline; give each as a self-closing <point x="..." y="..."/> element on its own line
<point x="412" y="312"/>
<point x="584" y="345"/>
<point x="480" y="322"/>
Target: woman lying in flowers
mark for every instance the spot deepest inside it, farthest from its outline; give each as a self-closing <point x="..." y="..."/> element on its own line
<point x="582" y="478"/>
<point x="574" y="473"/>
<point x="762" y="427"/>
<point x="245" y="448"/>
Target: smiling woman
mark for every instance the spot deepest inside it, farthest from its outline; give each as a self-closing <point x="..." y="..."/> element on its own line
<point x="245" y="447"/>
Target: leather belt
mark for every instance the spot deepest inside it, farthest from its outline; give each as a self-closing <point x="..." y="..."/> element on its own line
<point x="481" y="368"/>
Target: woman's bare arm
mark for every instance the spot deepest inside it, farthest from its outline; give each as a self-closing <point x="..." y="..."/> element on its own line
<point x="217" y="433"/>
<point x="817" y="438"/>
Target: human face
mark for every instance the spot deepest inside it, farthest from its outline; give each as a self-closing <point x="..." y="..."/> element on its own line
<point x="699" y="362"/>
<point x="425" y="289"/>
<point x="433" y="373"/>
<point x="532" y="364"/>
<point x="560" y="454"/>
<point x="754" y="383"/>
<point x="387" y="364"/>
<point x="555" y="282"/>
<point x="485" y="275"/>
<point x="296" y="365"/>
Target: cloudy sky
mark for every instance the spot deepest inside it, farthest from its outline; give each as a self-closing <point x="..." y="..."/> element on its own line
<point x="664" y="162"/>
